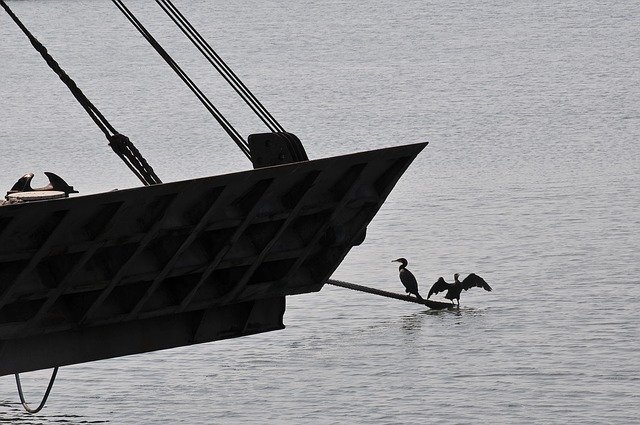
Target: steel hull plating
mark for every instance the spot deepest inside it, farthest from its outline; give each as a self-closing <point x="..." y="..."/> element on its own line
<point x="137" y="270"/>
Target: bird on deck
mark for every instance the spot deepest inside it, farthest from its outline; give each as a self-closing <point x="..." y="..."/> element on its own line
<point x="407" y="278"/>
<point x="454" y="289"/>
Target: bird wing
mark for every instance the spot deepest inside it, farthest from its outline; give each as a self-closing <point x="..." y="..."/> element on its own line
<point x="475" y="280"/>
<point x="439" y="286"/>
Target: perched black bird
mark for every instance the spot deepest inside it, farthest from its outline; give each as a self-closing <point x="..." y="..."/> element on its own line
<point x="454" y="289"/>
<point x="407" y="278"/>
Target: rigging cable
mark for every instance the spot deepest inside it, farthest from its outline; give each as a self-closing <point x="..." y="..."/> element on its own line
<point x="216" y="61"/>
<point x="232" y="79"/>
<point x="224" y="123"/>
<point x="120" y="144"/>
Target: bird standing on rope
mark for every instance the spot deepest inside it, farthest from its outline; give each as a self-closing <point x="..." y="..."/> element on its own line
<point x="407" y="278"/>
<point x="454" y="289"/>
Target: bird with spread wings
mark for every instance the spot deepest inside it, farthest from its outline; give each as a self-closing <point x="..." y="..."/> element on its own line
<point x="454" y="289"/>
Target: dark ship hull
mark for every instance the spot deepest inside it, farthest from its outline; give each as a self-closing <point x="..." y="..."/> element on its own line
<point x="124" y="272"/>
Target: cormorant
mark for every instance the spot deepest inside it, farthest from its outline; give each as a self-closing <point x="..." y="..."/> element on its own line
<point x="407" y="278"/>
<point x="454" y="289"/>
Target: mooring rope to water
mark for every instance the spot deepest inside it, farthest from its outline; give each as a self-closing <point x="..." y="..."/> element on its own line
<point x="435" y="305"/>
<point x="46" y="394"/>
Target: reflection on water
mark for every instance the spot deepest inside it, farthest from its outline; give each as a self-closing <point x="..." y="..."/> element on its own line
<point x="456" y="311"/>
<point x="412" y="323"/>
<point x="13" y="413"/>
<point x="416" y="320"/>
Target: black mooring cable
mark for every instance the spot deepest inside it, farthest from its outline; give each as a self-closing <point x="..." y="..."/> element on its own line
<point x="46" y="394"/>
<point x="436" y="305"/>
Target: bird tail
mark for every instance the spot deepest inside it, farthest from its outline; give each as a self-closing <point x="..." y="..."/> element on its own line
<point x="419" y="297"/>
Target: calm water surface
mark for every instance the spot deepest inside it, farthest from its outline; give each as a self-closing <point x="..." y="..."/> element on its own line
<point x="532" y="111"/>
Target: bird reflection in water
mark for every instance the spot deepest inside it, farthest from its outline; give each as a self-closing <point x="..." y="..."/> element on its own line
<point x="412" y="323"/>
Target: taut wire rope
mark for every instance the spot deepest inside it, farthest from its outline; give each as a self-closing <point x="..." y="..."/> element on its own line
<point x="224" y="123"/>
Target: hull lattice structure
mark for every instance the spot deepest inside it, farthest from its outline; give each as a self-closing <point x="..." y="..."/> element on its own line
<point x="131" y="271"/>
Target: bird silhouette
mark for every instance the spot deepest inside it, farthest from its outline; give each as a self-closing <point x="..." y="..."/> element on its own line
<point x="454" y="289"/>
<point x="407" y="278"/>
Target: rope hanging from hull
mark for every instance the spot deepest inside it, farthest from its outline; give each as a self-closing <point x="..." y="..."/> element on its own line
<point x="46" y="394"/>
<point x="120" y="144"/>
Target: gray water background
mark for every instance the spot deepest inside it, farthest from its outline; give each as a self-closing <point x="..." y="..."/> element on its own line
<point x="531" y="180"/>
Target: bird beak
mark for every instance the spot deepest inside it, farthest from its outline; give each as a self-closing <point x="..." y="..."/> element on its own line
<point x="395" y="261"/>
